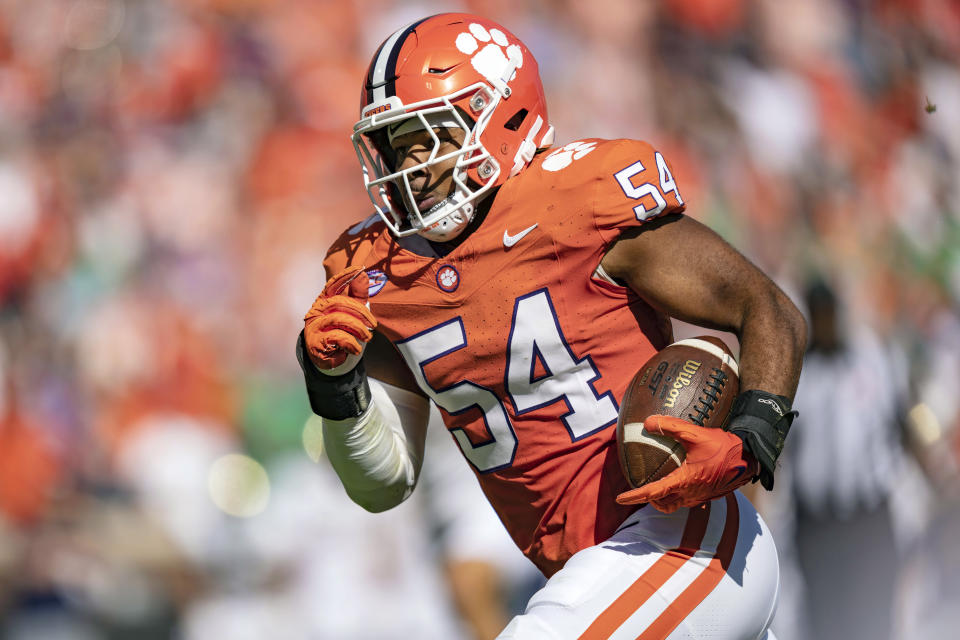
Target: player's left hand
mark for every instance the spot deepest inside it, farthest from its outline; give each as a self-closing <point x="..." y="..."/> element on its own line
<point x="339" y="325"/>
<point x="715" y="465"/>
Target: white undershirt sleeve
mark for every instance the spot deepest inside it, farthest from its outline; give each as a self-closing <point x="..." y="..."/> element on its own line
<point x="378" y="455"/>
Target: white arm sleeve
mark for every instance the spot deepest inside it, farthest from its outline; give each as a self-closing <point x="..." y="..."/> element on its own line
<point x="378" y="455"/>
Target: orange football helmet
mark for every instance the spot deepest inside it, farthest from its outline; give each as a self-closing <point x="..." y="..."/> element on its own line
<point x="449" y="70"/>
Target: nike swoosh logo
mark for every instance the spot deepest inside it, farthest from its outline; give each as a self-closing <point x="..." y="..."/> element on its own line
<point x="509" y="240"/>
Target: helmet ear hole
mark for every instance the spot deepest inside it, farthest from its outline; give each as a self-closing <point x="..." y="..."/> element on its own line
<point x="516" y="120"/>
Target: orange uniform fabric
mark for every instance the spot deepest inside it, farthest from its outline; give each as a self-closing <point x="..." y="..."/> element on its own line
<point x="524" y="349"/>
<point x="30" y="469"/>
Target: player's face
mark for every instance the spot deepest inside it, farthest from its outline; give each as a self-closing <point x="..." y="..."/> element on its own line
<point x="434" y="182"/>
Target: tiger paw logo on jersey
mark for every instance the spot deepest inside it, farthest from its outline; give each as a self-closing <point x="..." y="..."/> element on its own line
<point x="565" y="155"/>
<point x="448" y="278"/>
<point x="494" y="56"/>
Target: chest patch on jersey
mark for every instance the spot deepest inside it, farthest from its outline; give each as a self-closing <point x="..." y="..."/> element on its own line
<point x="448" y="278"/>
<point x="377" y="280"/>
<point x="565" y="155"/>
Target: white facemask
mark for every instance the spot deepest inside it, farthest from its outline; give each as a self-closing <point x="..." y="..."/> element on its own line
<point x="447" y="219"/>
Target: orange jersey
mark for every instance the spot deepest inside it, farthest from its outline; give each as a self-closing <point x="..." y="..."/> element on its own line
<point x="523" y="347"/>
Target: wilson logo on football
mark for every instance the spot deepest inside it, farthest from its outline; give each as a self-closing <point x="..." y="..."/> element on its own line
<point x="690" y="368"/>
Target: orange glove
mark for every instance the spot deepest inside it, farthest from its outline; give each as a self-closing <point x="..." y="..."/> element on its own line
<point x="715" y="465"/>
<point x="339" y="323"/>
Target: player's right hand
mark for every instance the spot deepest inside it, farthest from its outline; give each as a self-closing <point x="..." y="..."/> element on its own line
<point x="339" y="325"/>
<point x="715" y="464"/>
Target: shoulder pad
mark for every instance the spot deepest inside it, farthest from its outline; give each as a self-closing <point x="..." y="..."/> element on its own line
<point x="573" y="162"/>
<point x="592" y="159"/>
<point x="622" y="182"/>
<point x="354" y="244"/>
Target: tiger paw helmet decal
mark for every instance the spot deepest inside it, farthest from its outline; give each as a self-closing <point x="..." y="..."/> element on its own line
<point x="493" y="57"/>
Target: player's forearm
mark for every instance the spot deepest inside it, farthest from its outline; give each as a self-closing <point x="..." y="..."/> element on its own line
<point x="773" y="338"/>
<point x="373" y="433"/>
<point x="375" y="460"/>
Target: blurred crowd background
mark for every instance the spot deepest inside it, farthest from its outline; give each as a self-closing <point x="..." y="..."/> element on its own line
<point x="171" y="172"/>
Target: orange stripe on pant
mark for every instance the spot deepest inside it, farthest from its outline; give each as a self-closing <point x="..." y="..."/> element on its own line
<point x="701" y="587"/>
<point x="652" y="579"/>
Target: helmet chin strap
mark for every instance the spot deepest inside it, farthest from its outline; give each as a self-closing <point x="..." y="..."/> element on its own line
<point x="451" y="225"/>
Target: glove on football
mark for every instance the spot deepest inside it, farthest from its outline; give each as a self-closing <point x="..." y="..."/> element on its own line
<point x="715" y="465"/>
<point x="339" y="323"/>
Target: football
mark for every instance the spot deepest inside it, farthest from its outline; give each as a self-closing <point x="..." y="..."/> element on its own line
<point x="695" y="379"/>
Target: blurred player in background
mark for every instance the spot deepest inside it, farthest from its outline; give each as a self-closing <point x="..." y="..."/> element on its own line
<point x="845" y="516"/>
<point x="518" y="287"/>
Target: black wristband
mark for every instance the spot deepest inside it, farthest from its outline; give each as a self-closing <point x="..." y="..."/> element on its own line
<point x="334" y="397"/>
<point x="762" y="420"/>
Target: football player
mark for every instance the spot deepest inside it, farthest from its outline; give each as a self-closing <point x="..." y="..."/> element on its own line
<point x="517" y="285"/>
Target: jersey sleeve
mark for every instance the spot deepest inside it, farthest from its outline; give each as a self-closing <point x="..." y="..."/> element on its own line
<point x="353" y="246"/>
<point x="635" y="183"/>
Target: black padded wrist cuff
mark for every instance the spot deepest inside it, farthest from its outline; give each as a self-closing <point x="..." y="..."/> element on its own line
<point x="762" y="420"/>
<point x="334" y="397"/>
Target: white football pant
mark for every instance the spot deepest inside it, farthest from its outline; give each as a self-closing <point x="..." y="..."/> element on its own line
<point x="707" y="572"/>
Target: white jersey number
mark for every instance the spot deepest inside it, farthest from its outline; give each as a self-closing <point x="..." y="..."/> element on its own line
<point x="536" y="338"/>
<point x="635" y="192"/>
<point x="541" y="369"/>
<point x="425" y="347"/>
